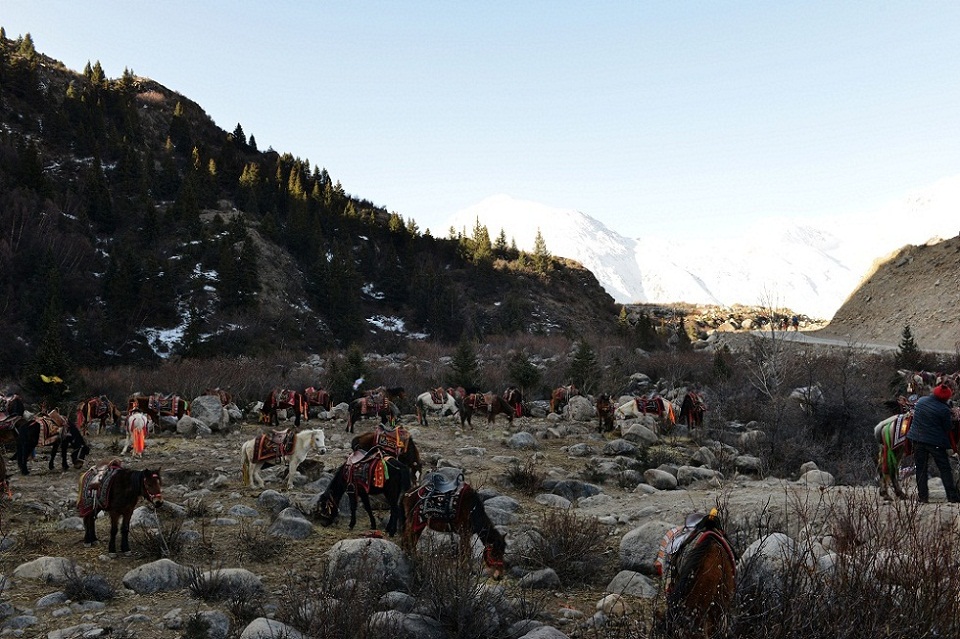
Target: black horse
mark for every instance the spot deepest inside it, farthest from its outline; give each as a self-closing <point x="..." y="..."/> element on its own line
<point x="54" y="430"/>
<point x="373" y="474"/>
<point x="115" y="490"/>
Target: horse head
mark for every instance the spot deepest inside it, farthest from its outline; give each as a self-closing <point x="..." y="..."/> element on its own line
<point x="151" y="487"/>
<point x="318" y="440"/>
<point x="326" y="509"/>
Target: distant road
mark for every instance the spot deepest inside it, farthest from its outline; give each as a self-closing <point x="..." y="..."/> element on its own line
<point x="814" y="339"/>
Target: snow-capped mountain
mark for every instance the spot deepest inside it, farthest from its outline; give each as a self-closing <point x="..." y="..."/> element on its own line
<point x="808" y="265"/>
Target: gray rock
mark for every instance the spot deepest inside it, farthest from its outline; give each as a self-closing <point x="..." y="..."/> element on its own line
<point x="640" y="435"/>
<point x="52" y="570"/>
<point x="818" y="478"/>
<point x="80" y="630"/>
<point x="144" y="516"/>
<point x="544" y="579"/>
<point x="19" y="622"/>
<point x="234" y="581"/>
<point x="70" y="523"/>
<point x="620" y="447"/>
<point x="503" y="502"/>
<point x="704" y="457"/>
<point x="396" y="600"/>
<point x="162" y="575"/>
<point x="292" y="524"/>
<point x="553" y="501"/>
<point x="53" y="599"/>
<point x="748" y="464"/>
<point x="544" y="632"/>
<point x="635" y="584"/>
<point x="638" y="548"/>
<point x="263" y="628"/>
<point x="208" y="410"/>
<point x="243" y="511"/>
<point x="379" y="560"/>
<point x="272" y="501"/>
<point x="660" y="479"/>
<point x="218" y="623"/>
<point x="580" y="450"/>
<point x="572" y="488"/>
<point x="522" y="441"/>
<point x="686" y="475"/>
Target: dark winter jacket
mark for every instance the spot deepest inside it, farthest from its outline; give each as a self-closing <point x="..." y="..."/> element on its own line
<point x="931" y="422"/>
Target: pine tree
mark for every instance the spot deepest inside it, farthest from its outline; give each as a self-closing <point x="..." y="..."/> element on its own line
<point x="26" y="47"/>
<point x="908" y="354"/>
<point x="522" y="372"/>
<point x="584" y="370"/>
<point x="464" y="366"/>
<point x="541" y="256"/>
<point x="239" y="138"/>
<point x="482" y="248"/>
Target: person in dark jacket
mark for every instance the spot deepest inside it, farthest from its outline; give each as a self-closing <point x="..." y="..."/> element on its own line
<point x="930" y="436"/>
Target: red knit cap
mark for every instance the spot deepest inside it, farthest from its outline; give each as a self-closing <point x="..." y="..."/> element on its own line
<point x="942" y="392"/>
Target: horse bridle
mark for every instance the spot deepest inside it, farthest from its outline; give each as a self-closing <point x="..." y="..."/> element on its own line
<point x="151" y="497"/>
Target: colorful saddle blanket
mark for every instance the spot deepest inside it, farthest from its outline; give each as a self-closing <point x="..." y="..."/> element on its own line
<point x="317" y="396"/>
<point x="373" y="404"/>
<point x="370" y="472"/>
<point x="392" y="441"/>
<point x="439" y="499"/>
<point x="95" y="485"/>
<point x="166" y="405"/>
<point x="273" y="445"/>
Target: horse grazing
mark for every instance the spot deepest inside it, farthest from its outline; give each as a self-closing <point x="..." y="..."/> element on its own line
<point x="366" y="473"/>
<point x="137" y="425"/>
<point x="438" y="401"/>
<point x="692" y="409"/>
<point x="560" y="397"/>
<point x="447" y="505"/>
<point x="100" y="409"/>
<point x="157" y="406"/>
<point x="658" y="406"/>
<point x="283" y="399"/>
<point x="50" y="429"/>
<point x="514" y="398"/>
<point x="372" y="406"/>
<point x="115" y="490"/>
<point x="283" y="445"/>
<point x="318" y="397"/>
<point x="702" y="581"/>
<point x="489" y="403"/>
<point x="891" y="434"/>
<point x="395" y="442"/>
<point x="605" y="409"/>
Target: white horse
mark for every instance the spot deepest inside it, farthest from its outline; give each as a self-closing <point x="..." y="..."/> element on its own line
<point x="425" y="403"/>
<point x="303" y="443"/>
<point x="659" y="407"/>
<point x="137" y="424"/>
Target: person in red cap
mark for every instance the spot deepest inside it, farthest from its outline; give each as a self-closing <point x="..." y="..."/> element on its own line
<point x="929" y="435"/>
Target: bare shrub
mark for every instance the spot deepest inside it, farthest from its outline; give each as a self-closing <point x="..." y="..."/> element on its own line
<point x="527" y="478"/>
<point x="80" y="587"/>
<point x="164" y="541"/>
<point x="255" y="544"/>
<point x="573" y="546"/>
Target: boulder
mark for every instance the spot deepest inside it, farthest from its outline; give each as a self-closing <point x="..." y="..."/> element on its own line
<point x="638" y="548"/>
<point x="379" y="560"/>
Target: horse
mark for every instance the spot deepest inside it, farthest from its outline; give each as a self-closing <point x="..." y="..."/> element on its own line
<point x="891" y="434"/>
<point x="97" y="408"/>
<point x="659" y="406"/>
<point x="294" y="447"/>
<point x="702" y="580"/>
<point x="490" y="403"/>
<point x="692" y="409"/>
<point x="157" y="406"/>
<point x="452" y="506"/>
<point x="439" y="401"/>
<point x="372" y="406"/>
<point x="366" y="473"/>
<point x="396" y="442"/>
<point x="50" y="429"/>
<point x="224" y="396"/>
<point x="560" y="397"/>
<point x="137" y="424"/>
<point x="283" y="399"/>
<point x="395" y="394"/>
<point x="605" y="409"/>
<point x="514" y="398"/>
<point x="318" y="397"/>
<point x="115" y="490"/>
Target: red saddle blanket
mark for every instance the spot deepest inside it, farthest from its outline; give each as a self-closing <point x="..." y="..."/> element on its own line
<point x="369" y="472"/>
<point x="165" y="405"/>
<point x="392" y="441"/>
<point x="94" y="492"/>
<point x="317" y="396"/>
<point x="373" y="404"/>
<point x="273" y="446"/>
<point x="432" y="504"/>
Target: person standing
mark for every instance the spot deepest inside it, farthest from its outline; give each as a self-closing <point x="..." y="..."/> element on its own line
<point x="930" y="436"/>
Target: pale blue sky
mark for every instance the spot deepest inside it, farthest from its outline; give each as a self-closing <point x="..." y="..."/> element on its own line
<point x="639" y="114"/>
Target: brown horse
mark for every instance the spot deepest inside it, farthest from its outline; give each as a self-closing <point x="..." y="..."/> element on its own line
<point x="115" y="490"/>
<point x="100" y="409"/>
<point x="372" y="473"/>
<point x="702" y="581"/>
<point x="158" y="405"/>
<point x="372" y="406"/>
<point x="284" y="399"/>
<point x="891" y="434"/>
<point x="318" y="397"/>
<point x="692" y="409"/>
<point x="514" y="397"/>
<point x="605" y="409"/>
<point x="396" y="442"/>
<point x="224" y="396"/>
<point x="453" y="507"/>
<point x="489" y="403"/>
<point x="50" y="429"/>
<point x="560" y="397"/>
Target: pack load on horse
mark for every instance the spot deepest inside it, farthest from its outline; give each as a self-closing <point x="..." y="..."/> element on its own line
<point x="115" y="490"/>
<point x="659" y="407"/>
<point x="692" y="409"/>
<point x="50" y="429"/>
<point x="278" y="447"/>
<point x="444" y="502"/>
<point x="700" y="566"/>
<point x="560" y="397"/>
<point x="365" y="473"/>
<point x="605" y="410"/>
<point x="514" y="398"/>
<point x="283" y="399"/>
<point x="98" y="409"/>
<point x="490" y="404"/>
<point x="159" y="405"/>
<point x="136" y="426"/>
<point x="395" y="441"/>
<point x="437" y="400"/>
<point x="891" y="434"/>
<point x="318" y="397"/>
<point x="374" y="403"/>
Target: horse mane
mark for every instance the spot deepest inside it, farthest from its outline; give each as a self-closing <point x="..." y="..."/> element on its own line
<point x="706" y="535"/>
<point x="480" y="521"/>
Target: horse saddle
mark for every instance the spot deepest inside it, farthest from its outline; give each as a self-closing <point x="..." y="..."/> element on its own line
<point x="278" y="443"/>
<point x="478" y="401"/>
<point x="373" y="404"/>
<point x="438" y="396"/>
<point x="286" y="396"/>
<point x="316" y="395"/>
<point x="439" y="497"/>
<point x="392" y="441"/>
<point x="650" y="405"/>
<point x="901" y="427"/>
<point x="8" y="421"/>
<point x="367" y="472"/>
<point x="49" y="428"/>
<point x="95" y="487"/>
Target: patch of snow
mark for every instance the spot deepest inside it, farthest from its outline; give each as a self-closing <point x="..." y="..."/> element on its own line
<point x="369" y="289"/>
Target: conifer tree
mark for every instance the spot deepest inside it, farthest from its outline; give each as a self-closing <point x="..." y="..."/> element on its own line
<point x="584" y="370"/>
<point x="26" y="47"/>
<point x="522" y="372"/>
<point x="239" y="138"/>
<point x="482" y="250"/>
<point x="464" y="365"/>
<point x="541" y="256"/>
<point x="908" y="354"/>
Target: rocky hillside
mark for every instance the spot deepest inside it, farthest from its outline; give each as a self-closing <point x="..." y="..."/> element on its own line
<point x="919" y="287"/>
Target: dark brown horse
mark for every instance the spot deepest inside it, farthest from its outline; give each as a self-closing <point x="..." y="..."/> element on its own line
<point x="692" y="409"/>
<point x="702" y="581"/>
<point x="284" y="399"/>
<point x="376" y="406"/>
<point x="453" y="508"/>
<point x="318" y="397"/>
<point x="100" y="409"/>
<point x="395" y="442"/>
<point x="489" y="403"/>
<point x="605" y="410"/>
<point x="560" y="397"/>
<point x="514" y="398"/>
<point x="372" y="473"/>
<point x="50" y="429"/>
<point x="115" y="490"/>
<point x="158" y="405"/>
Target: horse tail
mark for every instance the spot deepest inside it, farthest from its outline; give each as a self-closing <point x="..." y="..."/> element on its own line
<point x="138" y="435"/>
